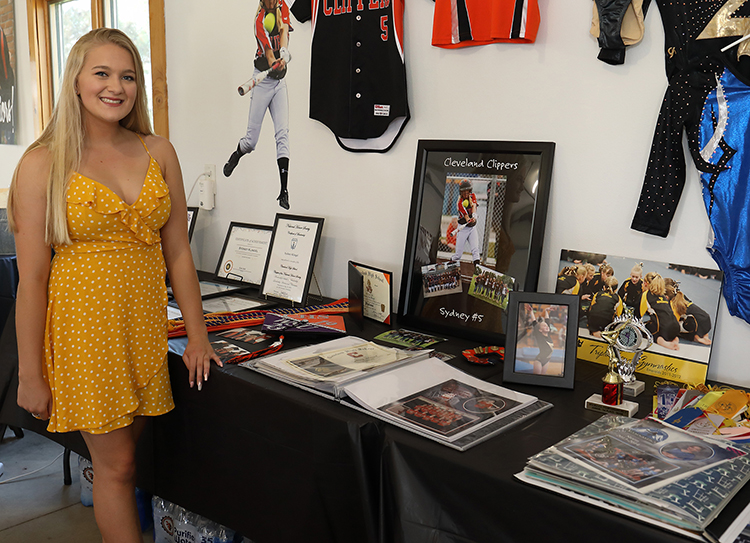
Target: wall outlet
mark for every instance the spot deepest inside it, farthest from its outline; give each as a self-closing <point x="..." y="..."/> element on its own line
<point x="210" y="171"/>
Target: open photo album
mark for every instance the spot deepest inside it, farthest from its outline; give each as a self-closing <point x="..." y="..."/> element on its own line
<point x="409" y="389"/>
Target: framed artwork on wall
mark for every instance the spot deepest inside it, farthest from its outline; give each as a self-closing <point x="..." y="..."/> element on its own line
<point x="476" y="228"/>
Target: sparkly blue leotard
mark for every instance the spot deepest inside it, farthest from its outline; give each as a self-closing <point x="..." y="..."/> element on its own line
<point x="724" y="138"/>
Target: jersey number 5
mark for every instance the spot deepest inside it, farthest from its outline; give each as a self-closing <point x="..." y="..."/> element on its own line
<point x="384" y="27"/>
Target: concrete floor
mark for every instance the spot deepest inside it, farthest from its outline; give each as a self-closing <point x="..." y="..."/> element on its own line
<point x="40" y="507"/>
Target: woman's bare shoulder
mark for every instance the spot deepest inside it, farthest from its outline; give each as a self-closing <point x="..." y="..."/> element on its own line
<point x="160" y="147"/>
<point x="34" y="167"/>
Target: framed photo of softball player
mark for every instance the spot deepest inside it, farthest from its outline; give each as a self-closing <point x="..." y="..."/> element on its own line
<point x="540" y="346"/>
<point x="476" y="227"/>
<point x="291" y="257"/>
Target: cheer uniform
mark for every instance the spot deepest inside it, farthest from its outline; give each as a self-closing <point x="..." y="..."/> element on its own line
<point x="695" y="322"/>
<point x="567" y="284"/>
<point x="604" y="307"/>
<point x="662" y="323"/>
<point x="631" y="292"/>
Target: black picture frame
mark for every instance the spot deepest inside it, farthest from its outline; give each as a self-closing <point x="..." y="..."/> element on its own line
<point x="230" y="231"/>
<point x="512" y="232"/>
<point x="276" y="250"/>
<point x="527" y="341"/>
<point x="192" y="221"/>
<point x="358" y="292"/>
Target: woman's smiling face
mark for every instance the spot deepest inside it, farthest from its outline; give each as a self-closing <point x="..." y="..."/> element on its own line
<point x="107" y="83"/>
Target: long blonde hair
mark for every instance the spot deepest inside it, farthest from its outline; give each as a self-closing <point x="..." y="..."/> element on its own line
<point x="64" y="135"/>
<point x="655" y="283"/>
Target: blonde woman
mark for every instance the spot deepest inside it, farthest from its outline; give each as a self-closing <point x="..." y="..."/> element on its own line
<point x="662" y="322"/>
<point x="569" y="280"/>
<point x="107" y="196"/>
<point x="631" y="291"/>
<point x="695" y="323"/>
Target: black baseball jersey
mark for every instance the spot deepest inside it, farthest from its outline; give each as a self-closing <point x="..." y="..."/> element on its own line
<point x="357" y="73"/>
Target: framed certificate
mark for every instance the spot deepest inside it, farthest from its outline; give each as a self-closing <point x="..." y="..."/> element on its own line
<point x="376" y="288"/>
<point x="243" y="257"/>
<point x="192" y="213"/>
<point x="291" y="257"/>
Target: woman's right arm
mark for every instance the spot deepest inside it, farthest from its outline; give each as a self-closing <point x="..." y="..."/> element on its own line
<point x="33" y="254"/>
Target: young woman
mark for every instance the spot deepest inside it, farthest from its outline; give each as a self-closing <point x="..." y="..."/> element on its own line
<point x="569" y="280"/>
<point x="695" y="323"/>
<point x="632" y="291"/>
<point x="662" y="323"/>
<point x="107" y="196"/>
<point x="605" y="306"/>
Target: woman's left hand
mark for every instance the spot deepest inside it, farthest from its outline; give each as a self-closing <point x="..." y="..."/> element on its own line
<point x="197" y="357"/>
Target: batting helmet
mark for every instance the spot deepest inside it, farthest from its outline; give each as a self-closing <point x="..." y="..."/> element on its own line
<point x="465" y="185"/>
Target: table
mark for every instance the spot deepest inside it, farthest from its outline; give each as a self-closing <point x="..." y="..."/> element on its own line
<point x="280" y="464"/>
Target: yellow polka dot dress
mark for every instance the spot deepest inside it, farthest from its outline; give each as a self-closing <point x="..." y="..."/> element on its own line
<point x="106" y="329"/>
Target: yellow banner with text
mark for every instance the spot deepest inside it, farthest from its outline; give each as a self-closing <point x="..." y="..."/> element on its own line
<point x="657" y="365"/>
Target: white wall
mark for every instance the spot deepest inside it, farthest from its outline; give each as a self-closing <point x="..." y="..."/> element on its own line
<point x="601" y="117"/>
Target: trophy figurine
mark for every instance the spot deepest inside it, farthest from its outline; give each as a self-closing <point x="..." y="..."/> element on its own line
<point x="627" y="333"/>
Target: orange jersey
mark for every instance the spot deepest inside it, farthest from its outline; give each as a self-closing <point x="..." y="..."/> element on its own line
<point x="463" y="23"/>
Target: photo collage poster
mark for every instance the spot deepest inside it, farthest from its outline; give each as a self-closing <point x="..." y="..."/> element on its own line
<point x="681" y="319"/>
<point x="474" y="236"/>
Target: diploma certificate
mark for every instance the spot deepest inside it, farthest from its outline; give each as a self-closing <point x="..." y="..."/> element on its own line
<point x="291" y="257"/>
<point x="244" y="255"/>
<point x="376" y="293"/>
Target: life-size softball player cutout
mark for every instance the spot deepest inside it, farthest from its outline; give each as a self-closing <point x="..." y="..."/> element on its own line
<point x="268" y="89"/>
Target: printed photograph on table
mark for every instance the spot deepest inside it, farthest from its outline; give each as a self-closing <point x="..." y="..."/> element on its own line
<point x="678" y="304"/>
<point x="540" y="346"/>
<point x="476" y="229"/>
<point x="450" y="407"/>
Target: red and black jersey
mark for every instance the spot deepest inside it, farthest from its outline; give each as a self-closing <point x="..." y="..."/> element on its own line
<point x="269" y="40"/>
<point x="462" y="23"/>
<point x="357" y="72"/>
<point x="465" y="212"/>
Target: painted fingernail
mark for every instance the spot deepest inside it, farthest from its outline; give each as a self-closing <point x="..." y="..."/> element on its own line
<point x="205" y="377"/>
<point x="191" y="384"/>
<point x="200" y="385"/>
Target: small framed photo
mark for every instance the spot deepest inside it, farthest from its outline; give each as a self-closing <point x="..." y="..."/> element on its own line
<point x="540" y="346"/>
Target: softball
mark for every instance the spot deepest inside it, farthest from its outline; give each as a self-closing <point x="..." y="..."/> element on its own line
<point x="269" y="21"/>
<point x="465" y="203"/>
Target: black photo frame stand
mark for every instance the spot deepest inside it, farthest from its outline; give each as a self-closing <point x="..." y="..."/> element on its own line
<point x="494" y="226"/>
<point x="534" y="342"/>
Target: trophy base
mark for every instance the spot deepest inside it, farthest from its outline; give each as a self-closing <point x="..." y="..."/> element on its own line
<point x="626" y="408"/>
<point x="633" y="388"/>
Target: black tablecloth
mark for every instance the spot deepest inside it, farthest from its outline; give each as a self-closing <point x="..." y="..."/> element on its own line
<point x="280" y="464"/>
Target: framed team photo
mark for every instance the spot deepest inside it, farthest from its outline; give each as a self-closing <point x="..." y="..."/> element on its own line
<point x="476" y="228"/>
<point x="540" y="346"/>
